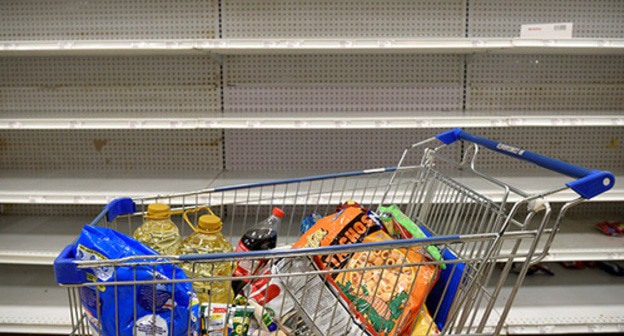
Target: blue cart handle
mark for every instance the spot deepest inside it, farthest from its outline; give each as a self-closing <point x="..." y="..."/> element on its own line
<point x="589" y="183"/>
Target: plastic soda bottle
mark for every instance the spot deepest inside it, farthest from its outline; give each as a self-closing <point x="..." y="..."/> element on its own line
<point x="158" y="231"/>
<point x="262" y="236"/>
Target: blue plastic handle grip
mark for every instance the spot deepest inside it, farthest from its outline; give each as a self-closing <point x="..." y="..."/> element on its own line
<point x="589" y="183"/>
<point x="66" y="271"/>
<point x="117" y="207"/>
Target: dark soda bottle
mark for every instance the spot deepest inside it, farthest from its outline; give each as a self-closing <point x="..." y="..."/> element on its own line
<point x="262" y="236"/>
<point x="260" y="239"/>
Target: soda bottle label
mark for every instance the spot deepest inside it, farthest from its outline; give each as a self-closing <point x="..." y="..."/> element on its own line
<point x="243" y="268"/>
<point x="241" y="247"/>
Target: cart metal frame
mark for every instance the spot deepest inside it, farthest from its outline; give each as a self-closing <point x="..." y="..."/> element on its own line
<point x="481" y="238"/>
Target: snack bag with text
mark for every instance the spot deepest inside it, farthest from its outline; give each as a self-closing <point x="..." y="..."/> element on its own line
<point x="348" y="226"/>
<point x="389" y="298"/>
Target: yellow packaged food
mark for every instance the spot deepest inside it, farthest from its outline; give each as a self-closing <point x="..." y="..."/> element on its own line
<point x="424" y="325"/>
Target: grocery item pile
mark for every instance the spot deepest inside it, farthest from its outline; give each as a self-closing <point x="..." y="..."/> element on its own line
<point x="372" y="292"/>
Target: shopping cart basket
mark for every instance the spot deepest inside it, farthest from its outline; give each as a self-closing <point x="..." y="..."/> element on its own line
<point x="480" y="238"/>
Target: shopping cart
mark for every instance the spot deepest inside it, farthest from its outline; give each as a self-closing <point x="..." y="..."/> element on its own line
<point x="482" y="238"/>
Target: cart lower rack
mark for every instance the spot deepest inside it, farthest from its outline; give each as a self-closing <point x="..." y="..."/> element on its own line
<point x="449" y="280"/>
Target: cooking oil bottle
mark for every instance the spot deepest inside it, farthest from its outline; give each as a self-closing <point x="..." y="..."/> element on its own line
<point x="208" y="238"/>
<point x="158" y="231"/>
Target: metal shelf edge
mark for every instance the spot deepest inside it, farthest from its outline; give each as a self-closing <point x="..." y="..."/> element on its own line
<point x="312" y="45"/>
<point x="339" y="121"/>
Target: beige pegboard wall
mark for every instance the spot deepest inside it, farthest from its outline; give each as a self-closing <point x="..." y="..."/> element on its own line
<point x="590" y="213"/>
<point x="101" y="87"/>
<point x="321" y="150"/>
<point x="342" y="18"/>
<point x="503" y="18"/>
<point x="537" y="83"/>
<point x="70" y="210"/>
<point x="599" y="211"/>
<point x="22" y="20"/>
<point x="592" y="147"/>
<point x="309" y="84"/>
<point x="111" y="150"/>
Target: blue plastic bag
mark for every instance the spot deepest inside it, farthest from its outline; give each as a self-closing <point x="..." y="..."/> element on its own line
<point x="161" y="309"/>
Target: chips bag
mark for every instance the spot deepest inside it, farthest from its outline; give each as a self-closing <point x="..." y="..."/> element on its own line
<point x="389" y="298"/>
<point x="349" y="226"/>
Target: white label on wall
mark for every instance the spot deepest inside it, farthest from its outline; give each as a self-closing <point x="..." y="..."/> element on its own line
<point x="547" y="30"/>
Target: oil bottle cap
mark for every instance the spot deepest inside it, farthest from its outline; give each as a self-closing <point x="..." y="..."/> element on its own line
<point x="277" y="212"/>
<point x="209" y="222"/>
<point x="158" y="211"/>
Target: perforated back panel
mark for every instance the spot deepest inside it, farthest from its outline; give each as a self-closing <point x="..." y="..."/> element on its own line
<point x="107" y="19"/>
<point x="502" y="18"/>
<point x="110" y="150"/>
<point x="343" y="18"/>
<point x="591" y="147"/>
<point x="598" y="211"/>
<point x="340" y="150"/>
<point x="327" y="83"/>
<point x="99" y="87"/>
<point x="587" y="214"/>
<point x="545" y="83"/>
<point x="50" y="210"/>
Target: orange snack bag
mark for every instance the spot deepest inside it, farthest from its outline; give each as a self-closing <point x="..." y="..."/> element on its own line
<point x="388" y="298"/>
<point x="349" y="226"/>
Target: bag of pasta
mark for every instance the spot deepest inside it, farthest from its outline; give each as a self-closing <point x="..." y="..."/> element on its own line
<point x="388" y="298"/>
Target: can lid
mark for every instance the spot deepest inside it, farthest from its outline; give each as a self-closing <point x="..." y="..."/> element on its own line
<point x="209" y="222"/>
<point x="158" y="211"/>
<point x="277" y="212"/>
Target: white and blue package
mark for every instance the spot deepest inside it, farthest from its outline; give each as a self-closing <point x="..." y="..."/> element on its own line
<point x="161" y="309"/>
